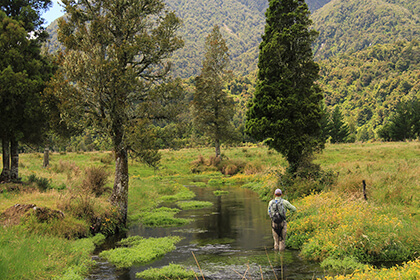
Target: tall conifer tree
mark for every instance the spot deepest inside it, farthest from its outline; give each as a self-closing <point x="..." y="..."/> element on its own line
<point x="338" y="129"/>
<point x="286" y="110"/>
<point x="213" y="108"/>
<point x="23" y="74"/>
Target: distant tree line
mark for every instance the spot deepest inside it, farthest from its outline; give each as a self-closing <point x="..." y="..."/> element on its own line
<point x="404" y="124"/>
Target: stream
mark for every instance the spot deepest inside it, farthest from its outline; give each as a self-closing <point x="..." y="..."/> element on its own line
<point x="226" y="241"/>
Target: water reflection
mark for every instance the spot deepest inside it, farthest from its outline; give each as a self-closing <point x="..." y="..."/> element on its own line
<point x="229" y="239"/>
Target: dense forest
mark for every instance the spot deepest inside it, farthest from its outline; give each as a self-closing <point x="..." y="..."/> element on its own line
<point x="367" y="85"/>
<point x="368" y="52"/>
<point x="354" y="25"/>
<point x="241" y="22"/>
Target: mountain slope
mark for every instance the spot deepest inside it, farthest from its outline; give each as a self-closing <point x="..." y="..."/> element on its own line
<point x="367" y="85"/>
<point x="241" y="23"/>
<point x="344" y="25"/>
<point x="354" y="25"/>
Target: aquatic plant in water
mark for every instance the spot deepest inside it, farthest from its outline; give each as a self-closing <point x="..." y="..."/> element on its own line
<point x="138" y="250"/>
<point x="220" y="192"/>
<point x="171" y="271"/>
<point x="185" y="205"/>
<point x="162" y="217"/>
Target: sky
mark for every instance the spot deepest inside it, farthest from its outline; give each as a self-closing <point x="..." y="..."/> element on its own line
<point x="53" y="13"/>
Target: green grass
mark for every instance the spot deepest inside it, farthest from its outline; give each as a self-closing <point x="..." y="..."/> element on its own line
<point x="34" y="256"/>
<point x="335" y="226"/>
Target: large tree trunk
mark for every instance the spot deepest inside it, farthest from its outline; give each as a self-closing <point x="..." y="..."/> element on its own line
<point x="5" y="173"/>
<point x="119" y="196"/>
<point x="217" y="146"/>
<point x="14" y="154"/>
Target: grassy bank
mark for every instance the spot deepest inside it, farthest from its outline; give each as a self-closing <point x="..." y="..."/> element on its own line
<point x="336" y="226"/>
<point x="342" y="229"/>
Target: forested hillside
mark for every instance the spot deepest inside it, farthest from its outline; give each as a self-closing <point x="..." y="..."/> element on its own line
<point x="241" y="23"/>
<point x="343" y="25"/>
<point x="367" y="85"/>
<point x="363" y="70"/>
<point x="356" y="24"/>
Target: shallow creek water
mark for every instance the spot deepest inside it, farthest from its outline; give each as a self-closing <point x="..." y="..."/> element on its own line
<point x="228" y="240"/>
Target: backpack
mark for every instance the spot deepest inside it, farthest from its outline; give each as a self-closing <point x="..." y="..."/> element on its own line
<point x="278" y="212"/>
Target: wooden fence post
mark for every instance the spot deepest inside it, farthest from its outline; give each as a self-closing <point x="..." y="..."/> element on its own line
<point x="364" y="189"/>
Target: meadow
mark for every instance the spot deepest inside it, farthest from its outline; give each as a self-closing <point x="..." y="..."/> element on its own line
<point x="334" y="225"/>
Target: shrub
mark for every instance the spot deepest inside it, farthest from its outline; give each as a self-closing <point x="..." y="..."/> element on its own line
<point x="95" y="180"/>
<point x="199" y="165"/>
<point x="79" y="203"/>
<point x="231" y="167"/>
<point x="307" y="180"/>
<point x="409" y="270"/>
<point x="66" y="167"/>
<point x="253" y="168"/>
<point x="43" y="184"/>
<point x="214" y="161"/>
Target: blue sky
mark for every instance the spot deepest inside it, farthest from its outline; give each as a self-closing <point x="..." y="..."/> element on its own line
<point x="53" y="13"/>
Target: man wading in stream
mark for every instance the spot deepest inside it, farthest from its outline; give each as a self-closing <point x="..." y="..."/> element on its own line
<point x="277" y="212"/>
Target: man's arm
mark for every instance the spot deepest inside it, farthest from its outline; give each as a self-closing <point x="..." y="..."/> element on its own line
<point x="269" y="208"/>
<point x="289" y="206"/>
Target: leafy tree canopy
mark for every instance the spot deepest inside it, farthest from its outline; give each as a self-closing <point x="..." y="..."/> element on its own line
<point x="116" y="66"/>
